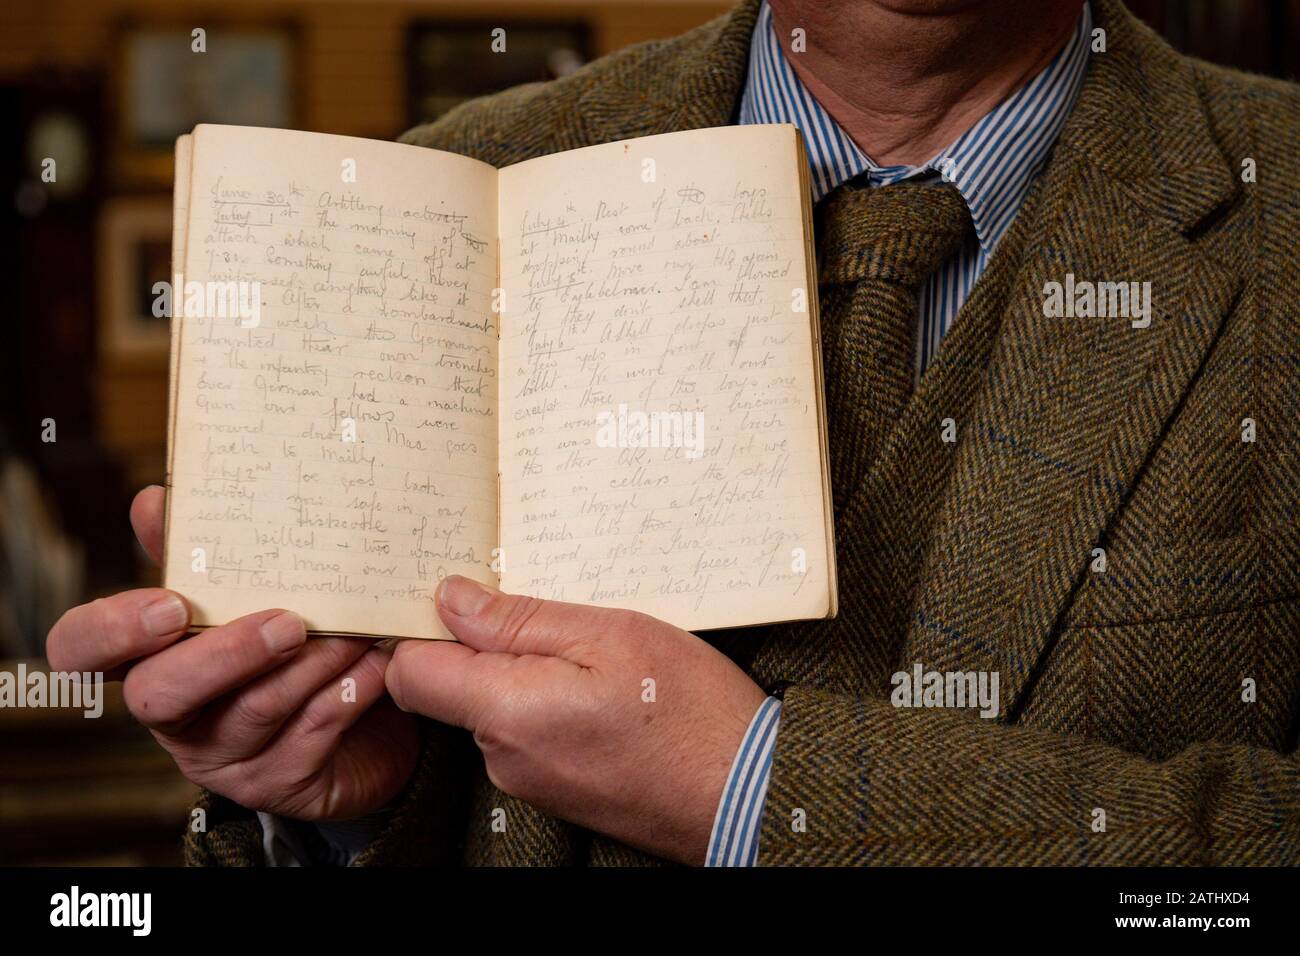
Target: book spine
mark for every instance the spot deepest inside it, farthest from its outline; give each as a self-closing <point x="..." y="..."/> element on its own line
<point x="498" y="555"/>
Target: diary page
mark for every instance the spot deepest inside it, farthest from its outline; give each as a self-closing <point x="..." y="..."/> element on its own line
<point x="661" y="430"/>
<point x="334" y="446"/>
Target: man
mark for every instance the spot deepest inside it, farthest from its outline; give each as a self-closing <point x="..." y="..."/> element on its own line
<point x="1083" y="499"/>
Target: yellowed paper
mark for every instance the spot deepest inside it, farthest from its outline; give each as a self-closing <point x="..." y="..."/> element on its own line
<point x="335" y="454"/>
<point x="661" y="444"/>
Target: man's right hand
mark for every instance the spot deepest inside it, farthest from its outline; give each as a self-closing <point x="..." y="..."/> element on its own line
<point x="251" y="710"/>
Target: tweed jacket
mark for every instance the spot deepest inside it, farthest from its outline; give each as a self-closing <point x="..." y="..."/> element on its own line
<point x="1109" y="533"/>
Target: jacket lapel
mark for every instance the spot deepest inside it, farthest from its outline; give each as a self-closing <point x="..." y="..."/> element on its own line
<point x="1071" y="408"/>
<point x="709" y="65"/>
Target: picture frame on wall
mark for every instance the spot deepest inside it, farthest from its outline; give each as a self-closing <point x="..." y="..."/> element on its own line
<point x="451" y="61"/>
<point x="135" y="249"/>
<point x="244" y="76"/>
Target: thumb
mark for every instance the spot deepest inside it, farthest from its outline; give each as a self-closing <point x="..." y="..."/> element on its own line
<point x="486" y="619"/>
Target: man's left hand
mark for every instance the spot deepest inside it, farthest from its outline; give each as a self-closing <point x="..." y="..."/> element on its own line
<point x="609" y="719"/>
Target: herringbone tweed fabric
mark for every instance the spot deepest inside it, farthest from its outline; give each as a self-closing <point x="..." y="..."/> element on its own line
<point x="1121" y="691"/>
<point x="876" y="247"/>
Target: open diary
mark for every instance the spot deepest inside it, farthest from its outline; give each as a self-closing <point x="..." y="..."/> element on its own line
<point x="592" y="376"/>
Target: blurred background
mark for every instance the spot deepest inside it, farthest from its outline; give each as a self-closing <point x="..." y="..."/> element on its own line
<point x="106" y="86"/>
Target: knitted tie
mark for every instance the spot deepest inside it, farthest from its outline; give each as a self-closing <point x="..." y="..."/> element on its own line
<point x="876" y="247"/>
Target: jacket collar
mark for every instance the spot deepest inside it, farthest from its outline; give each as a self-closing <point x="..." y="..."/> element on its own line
<point x="1140" y="120"/>
<point x="707" y="67"/>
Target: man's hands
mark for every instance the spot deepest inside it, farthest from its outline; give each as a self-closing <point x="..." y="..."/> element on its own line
<point x="555" y="696"/>
<point x="251" y="710"/>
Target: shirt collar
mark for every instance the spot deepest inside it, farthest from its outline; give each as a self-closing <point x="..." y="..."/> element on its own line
<point x="992" y="164"/>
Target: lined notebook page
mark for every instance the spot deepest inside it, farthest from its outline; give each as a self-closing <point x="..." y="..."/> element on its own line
<point x="339" y="457"/>
<point x="663" y="275"/>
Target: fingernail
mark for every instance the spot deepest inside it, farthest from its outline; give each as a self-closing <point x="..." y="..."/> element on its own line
<point x="283" y="632"/>
<point x="461" y="596"/>
<point x="167" y="615"/>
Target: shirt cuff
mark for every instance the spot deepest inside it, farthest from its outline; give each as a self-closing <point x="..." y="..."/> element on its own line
<point x="336" y="843"/>
<point x="734" y="841"/>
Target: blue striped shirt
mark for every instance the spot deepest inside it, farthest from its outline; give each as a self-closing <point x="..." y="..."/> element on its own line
<point x="992" y="164"/>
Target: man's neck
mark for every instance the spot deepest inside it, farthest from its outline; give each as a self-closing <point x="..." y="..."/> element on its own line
<point x="905" y="78"/>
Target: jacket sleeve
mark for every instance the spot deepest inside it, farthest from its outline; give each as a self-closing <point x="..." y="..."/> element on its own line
<point x="424" y="828"/>
<point x="857" y="781"/>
